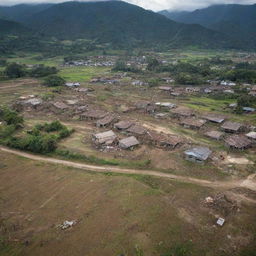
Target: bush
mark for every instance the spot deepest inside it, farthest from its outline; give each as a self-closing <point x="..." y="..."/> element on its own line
<point x="15" y="70"/>
<point x="42" y="71"/>
<point x="54" y="80"/>
<point x="11" y="117"/>
<point x="35" y="143"/>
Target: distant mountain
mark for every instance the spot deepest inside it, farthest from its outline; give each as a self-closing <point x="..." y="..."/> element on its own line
<point x="21" y="12"/>
<point x="120" y="23"/>
<point x="235" y="21"/>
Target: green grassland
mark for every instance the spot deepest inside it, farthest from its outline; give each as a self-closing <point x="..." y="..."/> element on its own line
<point x="82" y="74"/>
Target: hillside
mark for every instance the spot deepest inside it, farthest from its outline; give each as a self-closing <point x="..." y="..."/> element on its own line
<point x="12" y="28"/>
<point x="236" y="21"/>
<point x="120" y="23"/>
<point x="21" y="12"/>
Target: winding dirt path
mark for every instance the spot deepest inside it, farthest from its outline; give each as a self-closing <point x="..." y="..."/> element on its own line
<point x="246" y="183"/>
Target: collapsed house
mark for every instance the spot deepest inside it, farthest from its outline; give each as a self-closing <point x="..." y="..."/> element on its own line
<point x="60" y="106"/>
<point x="198" y="154"/>
<point x="104" y="138"/>
<point x="232" y="127"/>
<point x="128" y="143"/>
<point x="106" y="121"/>
<point x="146" y="106"/>
<point x="216" y="135"/>
<point x="93" y="115"/>
<point x="238" y="142"/>
<point x="165" y="105"/>
<point x="193" y="123"/>
<point x="165" y="88"/>
<point x="123" y="125"/>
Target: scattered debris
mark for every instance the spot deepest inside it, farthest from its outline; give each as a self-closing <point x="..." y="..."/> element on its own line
<point x="220" y="221"/>
<point x="67" y="224"/>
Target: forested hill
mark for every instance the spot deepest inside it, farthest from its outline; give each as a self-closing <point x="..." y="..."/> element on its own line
<point x="120" y="23"/>
<point x="236" y="21"/>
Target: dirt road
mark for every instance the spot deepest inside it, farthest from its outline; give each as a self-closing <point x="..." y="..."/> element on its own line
<point x="245" y="183"/>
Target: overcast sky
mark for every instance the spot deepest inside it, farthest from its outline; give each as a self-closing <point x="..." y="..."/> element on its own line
<point x="155" y="5"/>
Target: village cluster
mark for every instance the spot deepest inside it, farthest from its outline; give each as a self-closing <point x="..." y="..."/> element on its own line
<point x="121" y="133"/>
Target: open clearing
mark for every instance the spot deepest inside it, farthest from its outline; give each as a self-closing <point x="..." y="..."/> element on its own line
<point x="37" y="196"/>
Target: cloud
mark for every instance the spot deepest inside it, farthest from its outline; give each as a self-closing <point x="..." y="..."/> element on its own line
<point x="155" y="5"/>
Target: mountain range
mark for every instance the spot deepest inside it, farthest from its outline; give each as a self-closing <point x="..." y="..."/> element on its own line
<point x="117" y="23"/>
<point x="235" y="21"/>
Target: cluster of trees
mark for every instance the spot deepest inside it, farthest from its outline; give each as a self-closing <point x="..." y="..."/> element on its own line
<point x="11" y="121"/>
<point x="15" y="70"/>
<point x="41" y="139"/>
<point x="54" y="81"/>
<point x="120" y="65"/>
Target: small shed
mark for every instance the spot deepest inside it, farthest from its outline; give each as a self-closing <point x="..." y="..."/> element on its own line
<point x="198" y="154"/>
<point x="238" y="142"/>
<point x="216" y="135"/>
<point x="232" y="127"/>
<point x="128" y="143"/>
<point x="123" y="125"/>
<point x="106" y="138"/>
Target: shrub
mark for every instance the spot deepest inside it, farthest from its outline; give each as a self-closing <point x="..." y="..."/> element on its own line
<point x="15" y="70"/>
<point x="54" y="80"/>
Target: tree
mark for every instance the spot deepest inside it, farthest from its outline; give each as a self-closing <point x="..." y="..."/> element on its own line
<point x="54" y="80"/>
<point x="153" y="64"/>
<point x="15" y="70"/>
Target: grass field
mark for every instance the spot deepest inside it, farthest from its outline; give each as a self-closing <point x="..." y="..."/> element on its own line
<point x="82" y="74"/>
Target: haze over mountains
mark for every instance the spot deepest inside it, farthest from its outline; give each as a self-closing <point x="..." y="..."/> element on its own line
<point x="236" y="21"/>
<point x="125" y="25"/>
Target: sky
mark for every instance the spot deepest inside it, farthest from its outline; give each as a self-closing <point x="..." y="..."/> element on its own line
<point x="155" y="5"/>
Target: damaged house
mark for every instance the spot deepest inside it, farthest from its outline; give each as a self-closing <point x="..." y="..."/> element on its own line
<point x="182" y="112"/>
<point x="104" y="138"/>
<point x="216" y="135"/>
<point x="232" y="127"/>
<point x="163" y="140"/>
<point x="238" y="142"/>
<point x="198" y="154"/>
<point x="128" y="143"/>
<point x="93" y="115"/>
<point x="193" y="123"/>
<point x="106" y="121"/>
<point x="123" y="125"/>
<point x="214" y="118"/>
